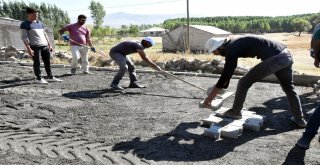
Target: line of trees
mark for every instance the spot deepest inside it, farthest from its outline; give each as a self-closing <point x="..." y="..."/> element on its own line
<point x="56" y="18"/>
<point x="49" y="14"/>
<point x="252" y="24"/>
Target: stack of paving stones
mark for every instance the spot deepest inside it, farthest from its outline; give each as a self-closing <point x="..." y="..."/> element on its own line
<point x="228" y="127"/>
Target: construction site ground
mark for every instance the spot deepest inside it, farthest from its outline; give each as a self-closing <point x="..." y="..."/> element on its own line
<point x="82" y="121"/>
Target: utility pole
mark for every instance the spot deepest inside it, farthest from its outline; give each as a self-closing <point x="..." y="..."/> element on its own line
<point x="188" y="28"/>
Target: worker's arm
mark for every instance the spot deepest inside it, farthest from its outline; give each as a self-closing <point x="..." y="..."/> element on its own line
<point x="147" y="60"/>
<point x="24" y="37"/>
<point x="212" y="95"/>
<point x="47" y="38"/>
<point x="316" y="51"/>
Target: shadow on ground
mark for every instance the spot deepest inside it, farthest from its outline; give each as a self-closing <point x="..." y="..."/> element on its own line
<point x="180" y="145"/>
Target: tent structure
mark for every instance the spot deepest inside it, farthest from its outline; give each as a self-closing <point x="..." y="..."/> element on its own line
<point x="175" y="40"/>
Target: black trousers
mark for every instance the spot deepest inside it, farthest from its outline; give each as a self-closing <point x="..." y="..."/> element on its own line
<point x="44" y="53"/>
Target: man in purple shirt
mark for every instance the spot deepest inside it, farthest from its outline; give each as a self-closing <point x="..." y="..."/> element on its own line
<point x="79" y="37"/>
<point x="119" y="54"/>
<point x="275" y="59"/>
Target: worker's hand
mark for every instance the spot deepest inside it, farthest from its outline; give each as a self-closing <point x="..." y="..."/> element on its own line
<point x="65" y="37"/>
<point x="93" y="49"/>
<point x="207" y="102"/>
<point x="30" y="52"/>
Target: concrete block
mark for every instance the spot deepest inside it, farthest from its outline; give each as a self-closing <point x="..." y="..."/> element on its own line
<point x="5" y="62"/>
<point x="225" y="95"/>
<point x="213" y="132"/>
<point x="253" y="124"/>
<point x="106" y="69"/>
<point x="27" y="64"/>
<point x="212" y="119"/>
<point x="57" y="65"/>
<point x="215" y="104"/>
<point x="221" y="111"/>
<point x="93" y="68"/>
<point x="237" y="123"/>
<point x="231" y="131"/>
<point x="247" y="113"/>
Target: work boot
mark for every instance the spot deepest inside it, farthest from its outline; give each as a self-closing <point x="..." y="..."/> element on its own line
<point x="299" y="121"/>
<point x="135" y="85"/>
<point x="116" y="87"/>
<point x="304" y="142"/>
<point x="231" y="114"/>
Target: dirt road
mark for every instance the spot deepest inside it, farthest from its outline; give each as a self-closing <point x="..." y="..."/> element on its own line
<point x="82" y="121"/>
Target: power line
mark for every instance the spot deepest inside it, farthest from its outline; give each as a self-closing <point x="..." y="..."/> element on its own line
<point x="138" y="4"/>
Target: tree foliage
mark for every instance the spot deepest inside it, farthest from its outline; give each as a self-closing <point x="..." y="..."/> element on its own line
<point x="50" y="15"/>
<point x="97" y="13"/>
<point x="252" y="24"/>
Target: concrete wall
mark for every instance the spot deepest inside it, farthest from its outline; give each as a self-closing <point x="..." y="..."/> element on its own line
<point x="10" y="34"/>
<point x="152" y="33"/>
<point x="175" y="40"/>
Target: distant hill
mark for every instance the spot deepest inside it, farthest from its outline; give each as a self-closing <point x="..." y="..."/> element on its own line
<point x="121" y="18"/>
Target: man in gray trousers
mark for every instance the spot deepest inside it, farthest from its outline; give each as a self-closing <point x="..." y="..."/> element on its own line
<point x="119" y="54"/>
<point x="275" y="59"/>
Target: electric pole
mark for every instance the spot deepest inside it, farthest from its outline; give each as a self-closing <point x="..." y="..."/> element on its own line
<point x="188" y="28"/>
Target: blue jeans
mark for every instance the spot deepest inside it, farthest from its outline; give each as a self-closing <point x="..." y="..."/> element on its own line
<point x="125" y="64"/>
<point x="281" y="66"/>
<point x="313" y="124"/>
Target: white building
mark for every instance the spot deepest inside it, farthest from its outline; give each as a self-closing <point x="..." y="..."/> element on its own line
<point x="153" y="32"/>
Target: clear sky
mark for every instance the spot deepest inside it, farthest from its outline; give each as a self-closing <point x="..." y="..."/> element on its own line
<point x="196" y="7"/>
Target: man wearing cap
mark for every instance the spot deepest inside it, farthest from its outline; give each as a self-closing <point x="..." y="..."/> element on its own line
<point x="37" y="44"/>
<point x="275" y="59"/>
<point x="119" y="54"/>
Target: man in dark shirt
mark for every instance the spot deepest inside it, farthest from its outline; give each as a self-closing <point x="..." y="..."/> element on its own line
<point x="314" y="121"/>
<point x="275" y="59"/>
<point x="119" y="54"/>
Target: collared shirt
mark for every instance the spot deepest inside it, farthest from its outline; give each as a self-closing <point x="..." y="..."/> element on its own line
<point x="33" y="33"/>
<point x="246" y="46"/>
<point x="127" y="47"/>
<point x="79" y="33"/>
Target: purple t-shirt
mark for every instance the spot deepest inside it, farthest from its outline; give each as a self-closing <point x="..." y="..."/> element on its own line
<point x="78" y="33"/>
<point x="127" y="47"/>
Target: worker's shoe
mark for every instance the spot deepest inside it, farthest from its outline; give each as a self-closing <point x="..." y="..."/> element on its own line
<point x="304" y="142"/>
<point x="299" y="121"/>
<point x="231" y="114"/>
<point x="116" y="87"/>
<point x="73" y="71"/>
<point x="41" y="81"/>
<point x="87" y="72"/>
<point x="135" y="85"/>
<point x="54" y="79"/>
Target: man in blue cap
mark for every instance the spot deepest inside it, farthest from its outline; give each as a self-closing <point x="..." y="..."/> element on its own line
<point x="119" y="54"/>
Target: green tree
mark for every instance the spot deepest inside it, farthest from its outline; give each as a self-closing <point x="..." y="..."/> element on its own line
<point x="134" y="30"/>
<point x="97" y="13"/>
<point x="301" y="25"/>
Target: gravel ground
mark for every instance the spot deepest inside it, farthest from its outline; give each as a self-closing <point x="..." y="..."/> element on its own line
<point x="82" y="121"/>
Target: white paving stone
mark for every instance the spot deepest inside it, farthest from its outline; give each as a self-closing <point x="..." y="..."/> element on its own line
<point x="231" y="128"/>
<point x="215" y="104"/>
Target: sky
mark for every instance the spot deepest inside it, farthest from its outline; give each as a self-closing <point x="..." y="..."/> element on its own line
<point x="196" y="7"/>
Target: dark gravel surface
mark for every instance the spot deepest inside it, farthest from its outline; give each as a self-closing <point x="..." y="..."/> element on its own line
<point x="83" y="118"/>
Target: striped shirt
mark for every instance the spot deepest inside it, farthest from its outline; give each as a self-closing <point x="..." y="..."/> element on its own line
<point x="33" y="33"/>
